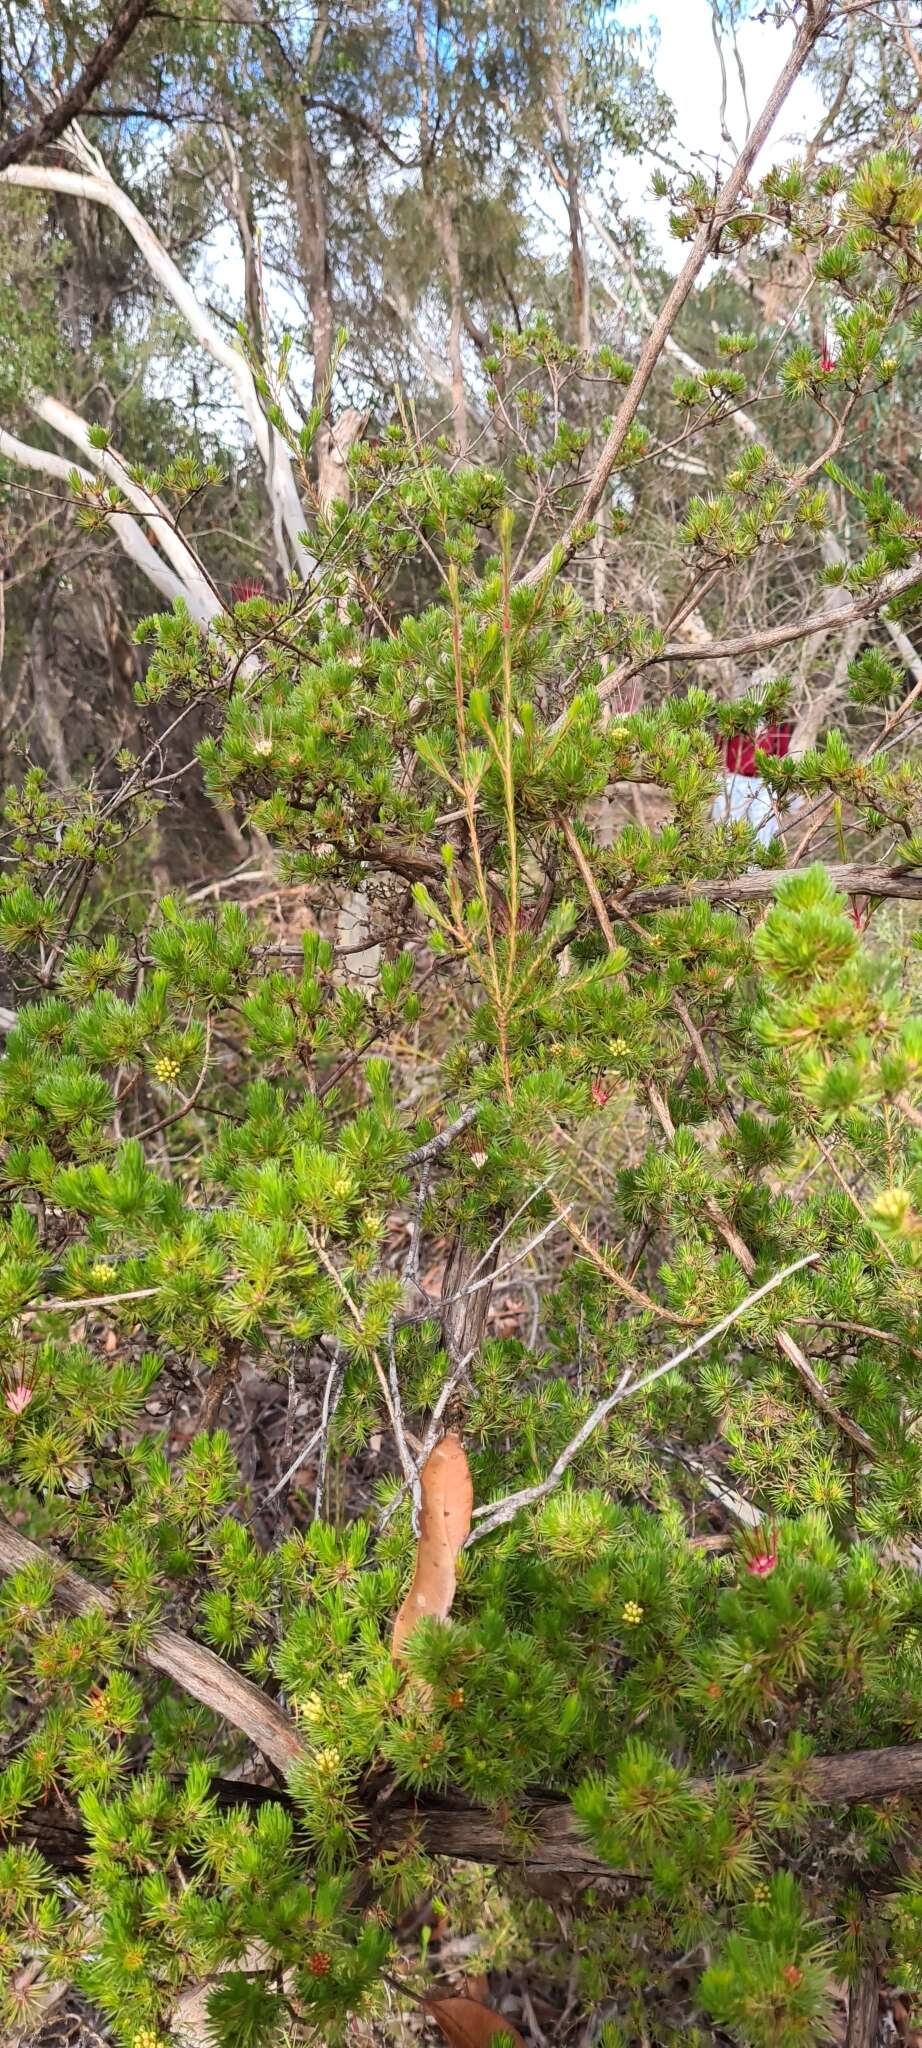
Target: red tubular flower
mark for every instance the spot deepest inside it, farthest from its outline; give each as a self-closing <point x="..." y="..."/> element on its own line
<point x="17" y="1397"/>
<point x="17" y="1386"/>
<point x="827" y="359"/>
<point x="761" y="1563"/>
<point x="760" y="1550"/>
<point x="251" y="587"/>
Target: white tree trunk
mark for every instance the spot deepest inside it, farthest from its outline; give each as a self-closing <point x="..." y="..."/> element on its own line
<point x="100" y="187"/>
<point x="126" y="529"/>
<point x="203" y="600"/>
<point x="334" y="444"/>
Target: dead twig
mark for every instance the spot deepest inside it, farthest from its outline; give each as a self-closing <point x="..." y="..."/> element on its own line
<point x="496" y="1513"/>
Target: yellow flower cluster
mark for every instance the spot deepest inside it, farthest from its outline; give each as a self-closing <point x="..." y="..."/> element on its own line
<point x="631" y="1613"/>
<point x="166" y="1069"/>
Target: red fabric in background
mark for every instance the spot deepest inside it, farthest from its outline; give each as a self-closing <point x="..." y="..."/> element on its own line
<point x="741" y="749"/>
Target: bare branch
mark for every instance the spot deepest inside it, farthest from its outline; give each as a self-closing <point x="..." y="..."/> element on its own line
<point x="54" y="1302"/>
<point x="855" y="879"/>
<point x="912" y="49"/>
<point x="703" y="246"/>
<point x="496" y="1513"/>
<point x="53" y="124"/>
<point x="336" y="1380"/>
<point x="331" y="1394"/>
<point x="433" y="1147"/>
<point x="781" y="636"/>
<point x="831" y="548"/>
<point x="200" y="594"/>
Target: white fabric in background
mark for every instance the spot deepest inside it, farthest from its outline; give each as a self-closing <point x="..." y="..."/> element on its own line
<point x="746" y="798"/>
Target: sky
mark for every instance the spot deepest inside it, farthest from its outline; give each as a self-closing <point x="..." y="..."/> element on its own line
<point x="687" y="70"/>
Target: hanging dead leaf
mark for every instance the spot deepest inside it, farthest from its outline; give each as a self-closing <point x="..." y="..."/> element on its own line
<point x="465" y="2024"/>
<point x="447" y="1501"/>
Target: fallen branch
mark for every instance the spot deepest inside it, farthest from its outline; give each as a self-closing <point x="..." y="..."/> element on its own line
<point x="855" y="879"/>
<point x="196" y="1670"/>
<point x="863" y="2007"/>
<point x="549" y="1827"/>
<point x="547" y="1835"/>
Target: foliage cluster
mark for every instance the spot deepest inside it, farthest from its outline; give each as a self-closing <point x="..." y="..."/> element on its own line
<point x="223" y="1157"/>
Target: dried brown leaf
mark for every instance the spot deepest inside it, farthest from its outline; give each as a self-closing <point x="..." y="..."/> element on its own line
<point x="466" y="2024"/>
<point x="445" y="1519"/>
